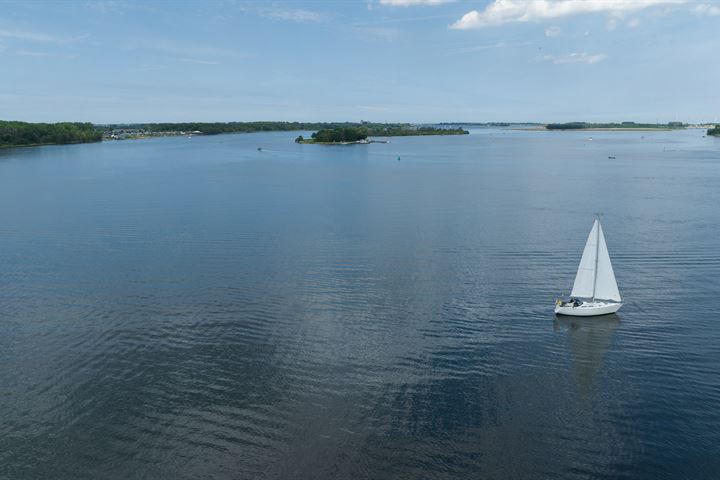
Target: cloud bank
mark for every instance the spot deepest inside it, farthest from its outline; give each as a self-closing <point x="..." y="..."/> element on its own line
<point x="501" y="12"/>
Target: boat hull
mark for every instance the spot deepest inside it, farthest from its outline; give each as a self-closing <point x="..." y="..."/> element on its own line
<point x="588" y="309"/>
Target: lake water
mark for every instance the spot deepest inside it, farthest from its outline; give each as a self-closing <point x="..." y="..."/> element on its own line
<point x="196" y="308"/>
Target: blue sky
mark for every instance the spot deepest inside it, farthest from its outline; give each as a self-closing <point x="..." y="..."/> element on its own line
<point x="380" y="60"/>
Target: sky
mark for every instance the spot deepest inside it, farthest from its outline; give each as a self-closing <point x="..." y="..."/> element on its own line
<point x="118" y="61"/>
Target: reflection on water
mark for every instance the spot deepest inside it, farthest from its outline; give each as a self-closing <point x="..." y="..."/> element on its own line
<point x="185" y="310"/>
<point x="590" y="338"/>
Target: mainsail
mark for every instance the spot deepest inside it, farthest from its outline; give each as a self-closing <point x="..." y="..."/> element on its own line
<point x="595" y="278"/>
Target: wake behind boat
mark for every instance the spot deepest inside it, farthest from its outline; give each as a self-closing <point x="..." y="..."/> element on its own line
<point x="595" y="291"/>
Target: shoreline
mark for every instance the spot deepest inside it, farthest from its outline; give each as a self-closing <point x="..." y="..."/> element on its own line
<point x="357" y="142"/>
<point x="619" y="129"/>
<point x="20" y="145"/>
<point x="599" y="129"/>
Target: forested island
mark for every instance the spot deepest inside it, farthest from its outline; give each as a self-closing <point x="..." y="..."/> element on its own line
<point x="614" y="126"/>
<point x="714" y="131"/>
<point x="360" y="133"/>
<point x="18" y="134"/>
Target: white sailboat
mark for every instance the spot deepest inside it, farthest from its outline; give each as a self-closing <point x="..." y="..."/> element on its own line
<point x="595" y="291"/>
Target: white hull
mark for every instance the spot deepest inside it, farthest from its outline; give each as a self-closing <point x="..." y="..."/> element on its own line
<point x="589" y="309"/>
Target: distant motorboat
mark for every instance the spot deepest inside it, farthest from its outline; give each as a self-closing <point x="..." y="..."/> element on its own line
<point x="259" y="149"/>
<point x="595" y="291"/>
<point x="611" y="157"/>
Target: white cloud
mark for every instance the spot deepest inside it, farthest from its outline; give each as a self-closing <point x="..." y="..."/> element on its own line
<point x="552" y="31"/>
<point x="408" y="3"/>
<point x="293" y="15"/>
<point x="564" y="58"/>
<point x="706" y="9"/>
<point x="508" y="11"/>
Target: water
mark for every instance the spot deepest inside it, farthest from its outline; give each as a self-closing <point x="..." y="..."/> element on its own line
<point x="177" y="308"/>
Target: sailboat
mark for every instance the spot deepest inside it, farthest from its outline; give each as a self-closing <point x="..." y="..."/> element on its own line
<point x="595" y="291"/>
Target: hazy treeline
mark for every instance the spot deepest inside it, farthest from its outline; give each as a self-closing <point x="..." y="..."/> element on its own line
<point x="22" y="133"/>
<point x="585" y="125"/>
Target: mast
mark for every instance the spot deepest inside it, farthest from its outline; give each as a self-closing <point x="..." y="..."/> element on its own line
<point x="597" y="253"/>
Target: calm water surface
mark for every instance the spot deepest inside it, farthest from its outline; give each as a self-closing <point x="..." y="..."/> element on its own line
<point x="177" y="308"/>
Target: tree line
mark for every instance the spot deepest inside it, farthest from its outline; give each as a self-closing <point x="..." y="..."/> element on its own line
<point x="23" y="133"/>
<point x="585" y="125"/>
<point x="214" y="128"/>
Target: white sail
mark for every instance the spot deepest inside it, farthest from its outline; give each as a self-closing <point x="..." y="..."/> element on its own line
<point x="605" y="285"/>
<point x="595" y="277"/>
<point x="585" y="278"/>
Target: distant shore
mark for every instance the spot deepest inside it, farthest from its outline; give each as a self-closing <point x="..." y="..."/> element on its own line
<point x="310" y="141"/>
<point x="18" y="145"/>
<point x="23" y="134"/>
<point x="616" y="126"/>
<point x="608" y="129"/>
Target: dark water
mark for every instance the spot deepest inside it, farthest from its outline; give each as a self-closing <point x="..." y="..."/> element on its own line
<point x="178" y="308"/>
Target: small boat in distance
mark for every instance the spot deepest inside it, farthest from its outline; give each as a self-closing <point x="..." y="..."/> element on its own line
<point x="595" y="291"/>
